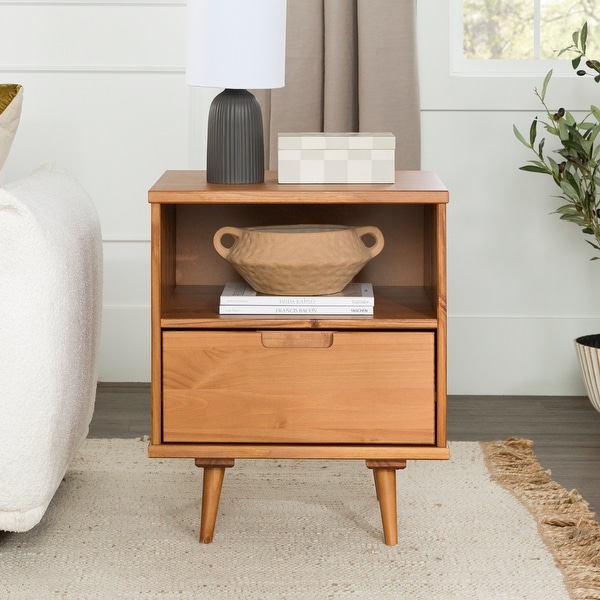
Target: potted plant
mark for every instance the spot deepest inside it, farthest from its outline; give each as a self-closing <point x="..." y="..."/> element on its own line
<point x="574" y="166"/>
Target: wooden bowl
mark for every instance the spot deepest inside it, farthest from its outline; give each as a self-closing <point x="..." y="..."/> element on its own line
<point x="307" y="260"/>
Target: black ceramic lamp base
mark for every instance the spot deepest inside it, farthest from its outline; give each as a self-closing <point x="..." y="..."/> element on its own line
<point x="235" y="148"/>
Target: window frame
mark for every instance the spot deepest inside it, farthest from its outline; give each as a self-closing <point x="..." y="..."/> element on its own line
<point x="508" y="67"/>
<point x="446" y="85"/>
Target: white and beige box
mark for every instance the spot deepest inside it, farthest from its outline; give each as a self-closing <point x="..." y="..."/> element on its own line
<point x="336" y="157"/>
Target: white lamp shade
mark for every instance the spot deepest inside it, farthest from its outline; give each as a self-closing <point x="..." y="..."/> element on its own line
<point x="238" y="44"/>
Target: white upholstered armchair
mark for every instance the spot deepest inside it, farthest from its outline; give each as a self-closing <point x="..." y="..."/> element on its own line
<point x="50" y="312"/>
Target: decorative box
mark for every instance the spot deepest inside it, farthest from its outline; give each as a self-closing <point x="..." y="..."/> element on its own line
<point x="336" y="157"/>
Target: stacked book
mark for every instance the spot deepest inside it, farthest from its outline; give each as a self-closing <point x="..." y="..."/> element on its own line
<point x="238" y="298"/>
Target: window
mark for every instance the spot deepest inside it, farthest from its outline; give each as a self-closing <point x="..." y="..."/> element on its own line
<point x="519" y="31"/>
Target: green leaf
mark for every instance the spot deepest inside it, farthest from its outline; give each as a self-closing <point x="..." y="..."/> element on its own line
<point x="594" y="246"/>
<point x="570" y="48"/>
<point x="553" y="167"/>
<point x="569" y="190"/>
<point x="575" y="62"/>
<point x="563" y="132"/>
<point x="541" y="148"/>
<point x="532" y="132"/>
<point x="583" y="37"/>
<point x="573" y="219"/>
<point x="566" y="209"/>
<point x="572" y="181"/>
<point x="573" y="154"/>
<point x="546" y="82"/>
<point x="519" y="136"/>
<point x="569" y="119"/>
<point x="534" y="169"/>
<point x="593" y="133"/>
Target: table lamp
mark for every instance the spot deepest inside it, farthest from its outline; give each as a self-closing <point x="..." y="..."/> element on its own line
<point x="236" y="45"/>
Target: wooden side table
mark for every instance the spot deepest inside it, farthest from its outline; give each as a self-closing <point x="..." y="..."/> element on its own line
<point x="228" y="387"/>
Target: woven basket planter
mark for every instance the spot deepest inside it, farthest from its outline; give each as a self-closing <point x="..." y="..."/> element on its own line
<point x="588" y="351"/>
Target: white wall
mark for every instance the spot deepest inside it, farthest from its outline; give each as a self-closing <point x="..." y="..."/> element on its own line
<point x="521" y="285"/>
<point x="105" y="96"/>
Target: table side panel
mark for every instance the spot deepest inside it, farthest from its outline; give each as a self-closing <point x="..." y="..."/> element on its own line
<point x="163" y="233"/>
<point x="442" y="330"/>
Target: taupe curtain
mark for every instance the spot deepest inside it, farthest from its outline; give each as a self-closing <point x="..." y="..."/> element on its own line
<point x="350" y="66"/>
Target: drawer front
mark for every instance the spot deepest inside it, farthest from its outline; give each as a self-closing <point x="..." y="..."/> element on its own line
<point x="310" y="387"/>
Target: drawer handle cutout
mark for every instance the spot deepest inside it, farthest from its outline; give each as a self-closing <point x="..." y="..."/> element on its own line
<point x="297" y="339"/>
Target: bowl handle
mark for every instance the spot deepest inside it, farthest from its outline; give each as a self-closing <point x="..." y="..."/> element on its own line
<point x="375" y="233"/>
<point x="234" y="232"/>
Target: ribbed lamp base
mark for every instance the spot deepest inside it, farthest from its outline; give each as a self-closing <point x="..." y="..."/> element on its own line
<point x="235" y="148"/>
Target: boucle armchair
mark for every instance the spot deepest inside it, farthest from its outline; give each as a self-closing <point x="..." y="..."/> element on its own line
<point x="11" y="101"/>
<point x="50" y="312"/>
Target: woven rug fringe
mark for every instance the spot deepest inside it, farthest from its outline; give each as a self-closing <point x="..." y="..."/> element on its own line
<point x="565" y="521"/>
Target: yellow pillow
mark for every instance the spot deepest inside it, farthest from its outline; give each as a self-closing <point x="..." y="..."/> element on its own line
<point x="11" y="99"/>
<point x="8" y="92"/>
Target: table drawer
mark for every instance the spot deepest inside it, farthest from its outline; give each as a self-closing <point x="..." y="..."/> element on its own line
<point x="310" y="387"/>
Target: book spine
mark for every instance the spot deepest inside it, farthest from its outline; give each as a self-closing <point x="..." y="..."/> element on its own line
<point x="295" y="301"/>
<point x="233" y="309"/>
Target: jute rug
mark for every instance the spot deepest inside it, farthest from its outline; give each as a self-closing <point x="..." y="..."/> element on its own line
<point x="125" y="526"/>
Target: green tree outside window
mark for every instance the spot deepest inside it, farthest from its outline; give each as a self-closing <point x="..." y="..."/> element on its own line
<point x="506" y="29"/>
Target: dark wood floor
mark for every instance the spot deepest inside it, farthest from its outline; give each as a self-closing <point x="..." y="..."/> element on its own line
<point x="565" y="430"/>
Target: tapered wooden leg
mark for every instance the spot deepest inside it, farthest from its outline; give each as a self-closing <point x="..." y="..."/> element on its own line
<point x="384" y="473"/>
<point x="214" y="472"/>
